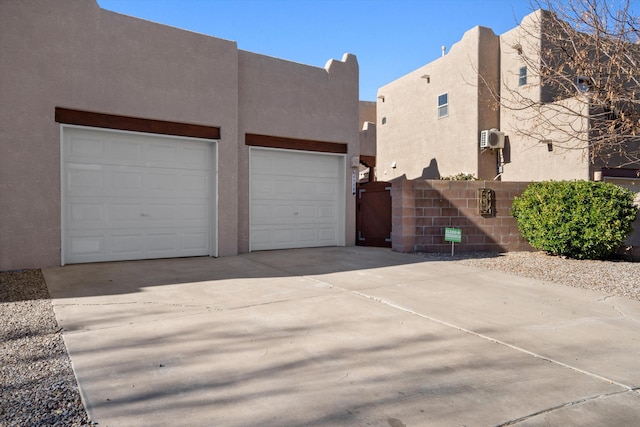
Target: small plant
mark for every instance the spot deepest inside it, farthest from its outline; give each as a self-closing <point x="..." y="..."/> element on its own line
<point x="460" y="177"/>
<point x="577" y="219"/>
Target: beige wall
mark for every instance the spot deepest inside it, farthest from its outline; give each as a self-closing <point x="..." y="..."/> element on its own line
<point x="475" y="71"/>
<point x="368" y="137"/>
<point x="411" y="135"/>
<point x="528" y="130"/>
<point x="272" y="102"/>
<point x="367" y="112"/>
<point x="73" y="54"/>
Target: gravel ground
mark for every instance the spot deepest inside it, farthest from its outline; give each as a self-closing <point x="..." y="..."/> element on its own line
<point x="619" y="278"/>
<point x="39" y="388"/>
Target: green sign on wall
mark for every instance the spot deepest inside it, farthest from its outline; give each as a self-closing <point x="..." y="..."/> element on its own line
<point x="453" y="235"/>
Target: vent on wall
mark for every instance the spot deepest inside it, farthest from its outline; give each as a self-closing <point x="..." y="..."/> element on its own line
<point x="491" y="138"/>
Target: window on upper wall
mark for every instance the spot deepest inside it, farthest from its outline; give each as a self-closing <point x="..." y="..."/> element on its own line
<point x="443" y="105"/>
<point x="582" y="83"/>
<point x="522" y="80"/>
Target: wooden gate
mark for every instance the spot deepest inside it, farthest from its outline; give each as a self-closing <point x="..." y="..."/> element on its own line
<point x="373" y="214"/>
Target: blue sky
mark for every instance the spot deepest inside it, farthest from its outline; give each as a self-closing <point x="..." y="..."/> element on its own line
<point x="389" y="37"/>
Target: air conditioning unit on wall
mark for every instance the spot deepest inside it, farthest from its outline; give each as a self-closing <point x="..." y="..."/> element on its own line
<point x="491" y="138"/>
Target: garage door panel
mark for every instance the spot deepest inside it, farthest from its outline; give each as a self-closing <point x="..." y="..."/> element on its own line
<point x="196" y="157"/>
<point x="128" y="181"/>
<point x="197" y="213"/>
<point x="327" y="213"/>
<point x="319" y="168"/>
<point x="278" y="213"/>
<point x="291" y="163"/>
<point x="163" y="242"/>
<point x="269" y="188"/>
<point x="88" y="245"/>
<point x="94" y="212"/>
<point x="327" y="234"/>
<point x="165" y="181"/>
<point x="115" y="245"/>
<point x="124" y="150"/>
<point x="162" y="212"/>
<point x="194" y="183"/>
<point x="287" y="237"/>
<point x="84" y="179"/>
<point x="160" y="155"/>
<point x="82" y="146"/>
<point x="295" y="199"/>
<point x="130" y="196"/>
<point x="89" y="214"/>
<point x="261" y="187"/>
<point x="125" y="214"/>
<point x="190" y="155"/>
<point x="126" y="244"/>
<point x="195" y="241"/>
<point x="283" y="236"/>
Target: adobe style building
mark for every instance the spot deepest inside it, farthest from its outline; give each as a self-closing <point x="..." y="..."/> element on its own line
<point x="125" y="139"/>
<point x="443" y="119"/>
<point x="429" y="121"/>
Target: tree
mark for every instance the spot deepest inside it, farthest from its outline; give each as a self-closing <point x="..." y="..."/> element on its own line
<point x="580" y="81"/>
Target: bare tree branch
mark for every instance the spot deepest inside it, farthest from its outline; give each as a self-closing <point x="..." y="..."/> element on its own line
<point x="582" y="57"/>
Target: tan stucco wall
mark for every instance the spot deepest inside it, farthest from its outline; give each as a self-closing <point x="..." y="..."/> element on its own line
<point x="367" y="112"/>
<point x="409" y="130"/>
<point x="527" y="129"/>
<point x="414" y="138"/>
<point x="367" y="126"/>
<point x="272" y="102"/>
<point x="73" y="54"/>
<point x="368" y="139"/>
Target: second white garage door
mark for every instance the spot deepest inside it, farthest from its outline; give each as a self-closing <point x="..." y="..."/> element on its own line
<point x="136" y="196"/>
<point x="296" y="199"/>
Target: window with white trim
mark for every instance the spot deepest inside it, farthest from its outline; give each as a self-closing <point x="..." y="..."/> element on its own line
<point x="522" y="79"/>
<point x="443" y="105"/>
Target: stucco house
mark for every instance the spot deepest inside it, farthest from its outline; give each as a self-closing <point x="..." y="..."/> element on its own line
<point x="125" y="139"/>
<point x="443" y="119"/>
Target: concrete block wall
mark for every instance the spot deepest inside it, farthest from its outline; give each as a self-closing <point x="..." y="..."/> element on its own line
<point x="422" y="209"/>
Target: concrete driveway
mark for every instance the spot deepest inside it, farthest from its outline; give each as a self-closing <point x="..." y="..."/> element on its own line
<point x="343" y="337"/>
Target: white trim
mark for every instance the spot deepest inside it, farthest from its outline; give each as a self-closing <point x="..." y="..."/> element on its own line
<point x="249" y="199"/>
<point x="342" y="200"/>
<point x="438" y="106"/>
<point x="213" y="217"/>
<point x="63" y="211"/>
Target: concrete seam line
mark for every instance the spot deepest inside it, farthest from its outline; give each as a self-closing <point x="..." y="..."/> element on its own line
<point x="564" y="405"/>
<point x="494" y="340"/>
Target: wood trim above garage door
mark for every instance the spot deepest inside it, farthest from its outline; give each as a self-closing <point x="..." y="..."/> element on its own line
<point x="134" y="124"/>
<point x="294" y="144"/>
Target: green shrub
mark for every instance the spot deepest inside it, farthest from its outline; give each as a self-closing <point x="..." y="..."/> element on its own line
<point x="577" y="219"/>
<point x="460" y="177"/>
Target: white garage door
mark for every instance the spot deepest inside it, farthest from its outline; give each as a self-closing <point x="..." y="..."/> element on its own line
<point x="132" y="196"/>
<point x="296" y="200"/>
